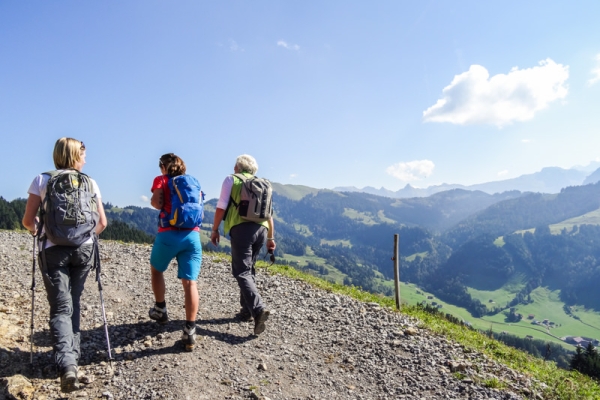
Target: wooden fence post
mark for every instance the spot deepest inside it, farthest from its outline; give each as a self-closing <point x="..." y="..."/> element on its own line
<point x="397" y="269"/>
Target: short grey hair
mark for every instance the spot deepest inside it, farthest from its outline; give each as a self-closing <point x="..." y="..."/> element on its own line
<point x="246" y="163"/>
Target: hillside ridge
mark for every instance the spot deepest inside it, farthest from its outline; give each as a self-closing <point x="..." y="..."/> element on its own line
<point x="318" y="345"/>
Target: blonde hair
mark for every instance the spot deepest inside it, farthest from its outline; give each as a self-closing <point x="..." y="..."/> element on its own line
<point x="246" y="163"/>
<point x="67" y="152"/>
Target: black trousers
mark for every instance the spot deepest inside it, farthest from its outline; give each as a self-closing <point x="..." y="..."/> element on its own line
<point x="246" y="241"/>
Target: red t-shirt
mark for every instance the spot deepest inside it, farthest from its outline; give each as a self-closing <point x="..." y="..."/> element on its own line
<point x="162" y="182"/>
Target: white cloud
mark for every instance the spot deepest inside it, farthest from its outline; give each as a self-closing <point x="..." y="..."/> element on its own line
<point x="288" y="46"/>
<point x="412" y="170"/>
<point x="474" y="98"/>
<point x="503" y="173"/>
<point x="292" y="176"/>
<point x="233" y="46"/>
<point x="596" y="72"/>
<point x="525" y="140"/>
<point x="144" y="199"/>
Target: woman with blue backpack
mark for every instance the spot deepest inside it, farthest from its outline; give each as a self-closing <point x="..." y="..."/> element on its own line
<point x="180" y="201"/>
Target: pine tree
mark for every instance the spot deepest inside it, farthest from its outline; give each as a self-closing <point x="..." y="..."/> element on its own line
<point x="578" y="360"/>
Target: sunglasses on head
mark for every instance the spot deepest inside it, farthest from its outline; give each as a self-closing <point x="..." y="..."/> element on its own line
<point x="82" y="146"/>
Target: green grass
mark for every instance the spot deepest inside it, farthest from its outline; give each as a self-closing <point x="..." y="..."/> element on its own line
<point x="546" y="305"/>
<point x="591" y="218"/>
<point x="304" y="230"/>
<point x="523" y="231"/>
<point x="120" y="210"/>
<point x="499" y="242"/>
<point x="556" y="383"/>
<point x="365" y="218"/>
<point x="368" y="218"/>
<point x="343" y="243"/>
<point x="410" y="294"/>
<point x="381" y="216"/>
<point x="502" y="295"/>
<point x="334" y="274"/>
<point x="413" y="256"/>
<point x="205" y="238"/>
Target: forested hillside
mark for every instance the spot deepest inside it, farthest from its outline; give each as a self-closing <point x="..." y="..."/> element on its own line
<point x="527" y="211"/>
<point x="11" y="213"/>
<point x="449" y="242"/>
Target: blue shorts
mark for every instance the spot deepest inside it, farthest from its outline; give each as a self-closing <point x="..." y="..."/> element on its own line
<point x="184" y="246"/>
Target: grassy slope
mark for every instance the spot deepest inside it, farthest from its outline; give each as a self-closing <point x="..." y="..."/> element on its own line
<point x="546" y="305"/>
<point x="293" y="192"/>
<point x="591" y="218"/>
<point x="558" y="384"/>
<point x="501" y="296"/>
<point x="343" y="243"/>
<point x="334" y="275"/>
<point x="365" y="218"/>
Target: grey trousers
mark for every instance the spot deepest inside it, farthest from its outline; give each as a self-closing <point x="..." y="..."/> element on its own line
<point x="64" y="275"/>
<point x="246" y="241"/>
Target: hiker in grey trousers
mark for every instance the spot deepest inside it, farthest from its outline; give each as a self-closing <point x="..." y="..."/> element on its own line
<point x="247" y="238"/>
<point x="64" y="268"/>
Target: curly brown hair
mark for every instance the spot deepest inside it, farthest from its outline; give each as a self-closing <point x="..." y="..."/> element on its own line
<point x="173" y="164"/>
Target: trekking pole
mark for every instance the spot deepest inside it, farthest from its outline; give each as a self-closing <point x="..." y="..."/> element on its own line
<point x="97" y="262"/>
<point x="32" y="303"/>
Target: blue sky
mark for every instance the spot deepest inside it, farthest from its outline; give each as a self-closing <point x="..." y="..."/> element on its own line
<point x="323" y="94"/>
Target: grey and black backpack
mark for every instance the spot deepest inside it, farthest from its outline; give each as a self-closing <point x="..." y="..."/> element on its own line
<point x="256" y="199"/>
<point x="69" y="211"/>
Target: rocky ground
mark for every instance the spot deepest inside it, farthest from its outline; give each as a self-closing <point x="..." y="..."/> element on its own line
<point x="317" y="345"/>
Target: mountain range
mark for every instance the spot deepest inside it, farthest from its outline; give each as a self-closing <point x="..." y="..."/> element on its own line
<point x="548" y="180"/>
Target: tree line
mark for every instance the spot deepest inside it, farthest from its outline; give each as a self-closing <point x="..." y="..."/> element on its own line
<point x="122" y="226"/>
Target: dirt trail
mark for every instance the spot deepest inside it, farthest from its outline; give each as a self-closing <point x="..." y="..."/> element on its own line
<point x="317" y="345"/>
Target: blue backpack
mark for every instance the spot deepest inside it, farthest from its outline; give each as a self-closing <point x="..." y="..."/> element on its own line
<point x="187" y="203"/>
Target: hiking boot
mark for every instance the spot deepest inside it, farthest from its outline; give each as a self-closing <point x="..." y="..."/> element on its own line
<point x="159" y="315"/>
<point x="259" y="321"/>
<point x="244" y="315"/>
<point x="68" y="379"/>
<point x="189" y="338"/>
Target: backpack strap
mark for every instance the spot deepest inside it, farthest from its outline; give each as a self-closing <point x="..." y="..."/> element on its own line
<point x="243" y="178"/>
<point x="42" y="211"/>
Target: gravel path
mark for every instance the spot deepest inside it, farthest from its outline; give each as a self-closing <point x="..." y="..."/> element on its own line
<point x="317" y="345"/>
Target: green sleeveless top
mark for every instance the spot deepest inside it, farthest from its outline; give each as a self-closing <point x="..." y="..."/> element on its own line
<point x="233" y="217"/>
